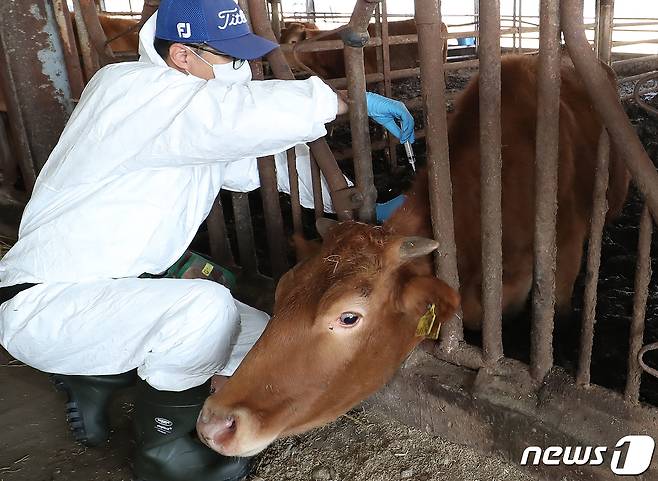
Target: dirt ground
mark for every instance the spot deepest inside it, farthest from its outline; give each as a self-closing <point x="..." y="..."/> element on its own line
<point x="35" y="445"/>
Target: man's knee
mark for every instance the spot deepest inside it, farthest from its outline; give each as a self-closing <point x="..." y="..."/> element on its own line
<point x="212" y="305"/>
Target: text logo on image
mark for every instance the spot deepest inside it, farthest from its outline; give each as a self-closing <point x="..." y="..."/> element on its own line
<point x="231" y="18"/>
<point x="631" y="455"/>
<point x="184" y="30"/>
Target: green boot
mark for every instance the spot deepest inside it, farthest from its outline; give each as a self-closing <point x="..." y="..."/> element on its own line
<point x="88" y="402"/>
<point x="168" y="448"/>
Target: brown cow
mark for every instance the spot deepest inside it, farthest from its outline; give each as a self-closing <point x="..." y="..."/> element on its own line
<point x="331" y="63"/>
<point x="121" y="25"/>
<point x="344" y="318"/>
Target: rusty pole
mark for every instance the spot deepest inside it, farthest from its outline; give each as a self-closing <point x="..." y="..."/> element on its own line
<point x="490" y="181"/>
<point x="276" y="239"/>
<point x="344" y="198"/>
<point x="355" y="36"/>
<point x="546" y="171"/>
<point x="599" y="210"/>
<point x="428" y="24"/>
<point x="606" y="103"/>
<point x="71" y="56"/>
<point x="642" y="279"/>
<point x="388" y="89"/>
<point x="604" y="29"/>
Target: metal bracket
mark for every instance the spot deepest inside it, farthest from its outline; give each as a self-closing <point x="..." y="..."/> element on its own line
<point x="354" y="38"/>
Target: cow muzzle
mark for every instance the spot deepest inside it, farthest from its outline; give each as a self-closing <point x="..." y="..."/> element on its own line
<point x="230" y="432"/>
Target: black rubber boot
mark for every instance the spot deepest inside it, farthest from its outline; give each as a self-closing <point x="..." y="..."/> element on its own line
<point x="168" y="448"/>
<point x="88" y="403"/>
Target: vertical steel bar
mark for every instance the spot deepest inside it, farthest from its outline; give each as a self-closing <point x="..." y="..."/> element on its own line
<point x="71" y="57"/>
<point x="546" y="168"/>
<point x="597" y="27"/>
<point x="294" y="192"/>
<point x="642" y="279"/>
<point x="355" y="38"/>
<point x="276" y="238"/>
<point x="490" y="181"/>
<point x="599" y="210"/>
<point x="428" y="24"/>
<point x="388" y="89"/>
<point x="276" y="18"/>
<point x="317" y="188"/>
<point x="514" y="27"/>
<point x="245" y="232"/>
<point x="90" y="61"/>
<point x="606" y="25"/>
<point x="220" y="247"/>
<point x="520" y="25"/>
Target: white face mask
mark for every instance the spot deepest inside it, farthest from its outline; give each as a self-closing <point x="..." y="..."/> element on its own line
<point x="225" y="73"/>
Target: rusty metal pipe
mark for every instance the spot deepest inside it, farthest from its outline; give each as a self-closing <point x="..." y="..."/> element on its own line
<point x="388" y="88"/>
<point x="90" y="61"/>
<point x="599" y="210"/>
<point x="316" y="179"/>
<point x="428" y="23"/>
<point x="490" y="181"/>
<point x="355" y="37"/>
<point x="95" y="31"/>
<point x="320" y="149"/>
<point x="276" y="239"/>
<point x="220" y="247"/>
<point x="607" y="105"/>
<point x="71" y="57"/>
<point x="546" y="172"/>
<point x="294" y="192"/>
<point x="642" y="279"/>
<point x="605" y="20"/>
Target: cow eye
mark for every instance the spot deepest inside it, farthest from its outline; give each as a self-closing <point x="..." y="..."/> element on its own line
<point x="349" y="318"/>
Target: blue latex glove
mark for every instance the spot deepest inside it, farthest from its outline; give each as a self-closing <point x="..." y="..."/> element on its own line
<point x="386" y="111"/>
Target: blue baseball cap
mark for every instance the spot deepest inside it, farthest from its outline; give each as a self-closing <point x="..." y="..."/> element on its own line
<point x="218" y="23"/>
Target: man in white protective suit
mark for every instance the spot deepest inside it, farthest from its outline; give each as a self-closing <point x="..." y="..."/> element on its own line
<point x="134" y="174"/>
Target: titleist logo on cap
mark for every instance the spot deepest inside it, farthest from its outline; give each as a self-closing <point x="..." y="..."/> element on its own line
<point x="230" y="18"/>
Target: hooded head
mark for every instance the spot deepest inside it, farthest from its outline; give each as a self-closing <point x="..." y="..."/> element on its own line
<point x="205" y="38"/>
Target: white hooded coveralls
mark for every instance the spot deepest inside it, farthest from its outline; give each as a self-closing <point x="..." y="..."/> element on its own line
<point x="134" y="174"/>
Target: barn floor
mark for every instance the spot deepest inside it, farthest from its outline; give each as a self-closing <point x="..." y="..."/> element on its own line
<point x="36" y="446"/>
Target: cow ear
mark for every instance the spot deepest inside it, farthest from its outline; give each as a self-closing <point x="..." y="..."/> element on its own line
<point x="420" y="292"/>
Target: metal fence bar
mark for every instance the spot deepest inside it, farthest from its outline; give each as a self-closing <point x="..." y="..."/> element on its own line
<point x="355" y="36"/>
<point x="245" y="232"/>
<point x="599" y="210"/>
<point x="71" y="57"/>
<point x="276" y="239"/>
<point x="546" y="168"/>
<point x="316" y="179"/>
<point x="388" y="89"/>
<point x="428" y="24"/>
<point x="294" y="192"/>
<point x="605" y="22"/>
<point x="642" y="279"/>
<point x="220" y="247"/>
<point x="490" y="181"/>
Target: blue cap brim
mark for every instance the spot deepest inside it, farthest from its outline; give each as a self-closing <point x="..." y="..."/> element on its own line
<point x="246" y="47"/>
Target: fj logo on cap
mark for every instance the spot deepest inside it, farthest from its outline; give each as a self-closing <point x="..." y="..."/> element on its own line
<point x="184" y="30"/>
<point x="231" y="18"/>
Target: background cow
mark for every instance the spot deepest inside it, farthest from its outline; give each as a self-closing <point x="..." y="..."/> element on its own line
<point x="345" y="318"/>
<point x="331" y="63"/>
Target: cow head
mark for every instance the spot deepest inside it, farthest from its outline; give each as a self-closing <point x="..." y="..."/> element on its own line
<point x="344" y="320"/>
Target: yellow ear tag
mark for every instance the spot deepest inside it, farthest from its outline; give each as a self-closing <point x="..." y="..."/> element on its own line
<point x="426" y="323"/>
<point x="207" y="269"/>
